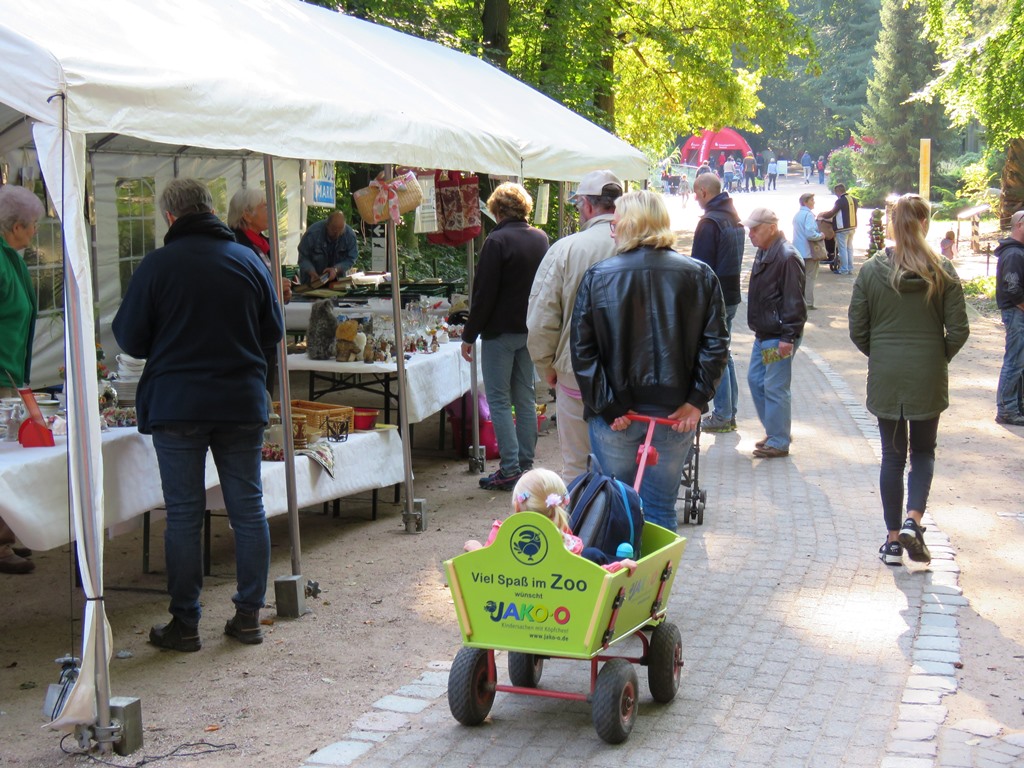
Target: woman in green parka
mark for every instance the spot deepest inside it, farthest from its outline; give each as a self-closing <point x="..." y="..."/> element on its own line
<point x="908" y="315"/>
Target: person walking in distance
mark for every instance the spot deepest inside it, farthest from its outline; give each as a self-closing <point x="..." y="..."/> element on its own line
<point x="908" y="316"/>
<point x="776" y="313"/>
<point x="552" y="297"/>
<point x="718" y="241"/>
<point x="843" y="216"/>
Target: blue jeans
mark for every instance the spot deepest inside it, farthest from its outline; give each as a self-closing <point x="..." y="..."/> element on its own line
<point x="770" y="388"/>
<point x="508" y="378"/>
<point x="181" y="454"/>
<point x="844" y="246"/>
<point x="617" y="452"/>
<point x="1010" y="392"/>
<point x="727" y="396"/>
<point x="895" y="443"/>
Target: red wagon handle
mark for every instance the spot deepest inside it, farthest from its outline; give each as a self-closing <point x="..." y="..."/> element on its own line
<point x="647" y="453"/>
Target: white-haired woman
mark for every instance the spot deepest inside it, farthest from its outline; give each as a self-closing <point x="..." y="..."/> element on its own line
<point x="20" y="211"/>
<point x="247" y="217"/>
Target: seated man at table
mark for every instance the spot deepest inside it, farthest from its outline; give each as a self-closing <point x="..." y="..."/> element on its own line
<point x="327" y="248"/>
<point x="203" y="389"/>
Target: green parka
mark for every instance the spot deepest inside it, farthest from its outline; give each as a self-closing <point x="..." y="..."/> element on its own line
<point x="908" y="340"/>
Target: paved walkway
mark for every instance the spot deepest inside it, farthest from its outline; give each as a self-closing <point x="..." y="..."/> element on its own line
<point x="801" y="648"/>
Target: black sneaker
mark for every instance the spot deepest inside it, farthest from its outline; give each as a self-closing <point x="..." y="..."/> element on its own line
<point x="891" y="553"/>
<point x="500" y="481"/>
<point x="176" y="636"/>
<point x="245" y="628"/>
<point x="713" y="423"/>
<point x="1013" y="419"/>
<point x="912" y="539"/>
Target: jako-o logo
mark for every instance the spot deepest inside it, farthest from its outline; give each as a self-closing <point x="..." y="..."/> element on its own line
<point x="537" y="614"/>
<point x="529" y="545"/>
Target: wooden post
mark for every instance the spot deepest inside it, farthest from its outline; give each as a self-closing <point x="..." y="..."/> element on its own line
<point x="925" y="177"/>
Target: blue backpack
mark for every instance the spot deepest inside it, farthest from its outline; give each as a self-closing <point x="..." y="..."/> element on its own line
<point x="606" y="514"/>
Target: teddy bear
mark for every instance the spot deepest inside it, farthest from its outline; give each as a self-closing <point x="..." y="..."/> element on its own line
<point x="349" y="342"/>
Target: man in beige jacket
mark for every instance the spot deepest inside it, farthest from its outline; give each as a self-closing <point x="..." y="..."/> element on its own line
<point x="551" y="303"/>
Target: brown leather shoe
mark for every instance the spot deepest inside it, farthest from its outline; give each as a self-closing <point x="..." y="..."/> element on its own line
<point x="768" y="452"/>
<point x="761" y="443"/>
<point x="15" y="564"/>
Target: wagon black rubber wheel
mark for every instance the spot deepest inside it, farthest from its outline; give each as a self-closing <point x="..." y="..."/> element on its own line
<point x="614" y="703"/>
<point x="470" y="692"/>
<point x="525" y="669"/>
<point x="664" y="662"/>
<point x="700" y="507"/>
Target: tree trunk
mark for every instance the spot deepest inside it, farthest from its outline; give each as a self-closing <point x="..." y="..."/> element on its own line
<point x="1012" y="197"/>
<point x="495" y="31"/>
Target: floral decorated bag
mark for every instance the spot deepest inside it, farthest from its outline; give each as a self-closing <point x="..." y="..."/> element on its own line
<point x="458" y="208"/>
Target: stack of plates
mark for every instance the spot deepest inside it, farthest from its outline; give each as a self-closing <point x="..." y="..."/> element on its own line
<point x="125" y="389"/>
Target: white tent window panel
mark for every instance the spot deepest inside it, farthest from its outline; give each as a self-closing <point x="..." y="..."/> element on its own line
<point x="45" y="262"/>
<point x="136" y="224"/>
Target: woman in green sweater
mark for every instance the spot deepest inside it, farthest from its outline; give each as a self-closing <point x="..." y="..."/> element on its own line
<point x="20" y="211"/>
<point x="908" y="315"/>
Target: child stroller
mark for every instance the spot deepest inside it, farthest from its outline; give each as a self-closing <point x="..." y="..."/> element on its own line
<point x="694" y="497"/>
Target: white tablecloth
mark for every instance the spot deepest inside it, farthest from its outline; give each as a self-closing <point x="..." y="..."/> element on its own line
<point x="435" y="379"/>
<point x="34" y="486"/>
<point x="296" y="313"/>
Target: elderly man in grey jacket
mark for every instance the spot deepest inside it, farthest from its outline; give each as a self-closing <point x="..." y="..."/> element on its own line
<point x="552" y="299"/>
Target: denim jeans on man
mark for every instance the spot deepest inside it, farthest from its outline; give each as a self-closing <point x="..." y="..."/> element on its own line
<point x="1010" y="392"/>
<point x="508" y="378"/>
<point x="770" y="387"/>
<point x="727" y="395"/>
<point x="617" y="451"/>
<point x="181" y="454"/>
<point x="844" y="251"/>
<point x="895" y="443"/>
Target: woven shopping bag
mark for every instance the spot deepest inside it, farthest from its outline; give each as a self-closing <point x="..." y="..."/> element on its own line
<point x="388" y="199"/>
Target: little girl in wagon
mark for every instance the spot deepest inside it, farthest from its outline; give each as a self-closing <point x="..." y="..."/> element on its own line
<point x="541" y="490"/>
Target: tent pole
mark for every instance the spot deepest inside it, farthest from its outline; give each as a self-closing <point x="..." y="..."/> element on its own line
<point x="282" y="370"/>
<point x="412" y="517"/>
<point x="476" y="453"/>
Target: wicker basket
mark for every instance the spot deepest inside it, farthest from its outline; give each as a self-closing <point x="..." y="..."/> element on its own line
<point x="317" y="414"/>
<point x="408" y="192"/>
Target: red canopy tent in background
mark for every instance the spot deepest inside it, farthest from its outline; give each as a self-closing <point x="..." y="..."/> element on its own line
<point x="706" y="146"/>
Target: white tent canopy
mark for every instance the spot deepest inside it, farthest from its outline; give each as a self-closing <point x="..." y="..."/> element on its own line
<point x="276" y="77"/>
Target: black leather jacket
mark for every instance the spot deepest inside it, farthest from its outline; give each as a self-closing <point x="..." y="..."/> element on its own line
<point x="648" y="329"/>
<point x="775" y="298"/>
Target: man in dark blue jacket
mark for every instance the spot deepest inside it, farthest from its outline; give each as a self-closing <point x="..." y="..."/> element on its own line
<point x="1010" y="298"/>
<point x="201" y="310"/>
<point x="718" y="241"/>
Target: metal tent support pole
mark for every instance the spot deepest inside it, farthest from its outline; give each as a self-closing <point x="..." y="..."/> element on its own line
<point x="414" y="513"/>
<point x="477" y="454"/>
<point x="289" y="591"/>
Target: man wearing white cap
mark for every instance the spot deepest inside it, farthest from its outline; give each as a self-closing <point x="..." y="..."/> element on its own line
<point x="550" y="308"/>
<point x="776" y="313"/>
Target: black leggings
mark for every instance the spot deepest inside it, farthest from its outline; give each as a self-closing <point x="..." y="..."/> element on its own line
<point x="894" y="461"/>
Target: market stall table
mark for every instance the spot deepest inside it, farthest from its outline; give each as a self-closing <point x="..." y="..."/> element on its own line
<point x="434" y="379"/>
<point x="34" y="486"/>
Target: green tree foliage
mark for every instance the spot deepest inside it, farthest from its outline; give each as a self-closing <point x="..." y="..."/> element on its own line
<point x="646" y="70"/>
<point x="904" y="63"/>
<point x="818" y="107"/>
<point x="982" y="43"/>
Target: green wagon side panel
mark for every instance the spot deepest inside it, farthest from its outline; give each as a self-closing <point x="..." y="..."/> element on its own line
<point x="526" y="592"/>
